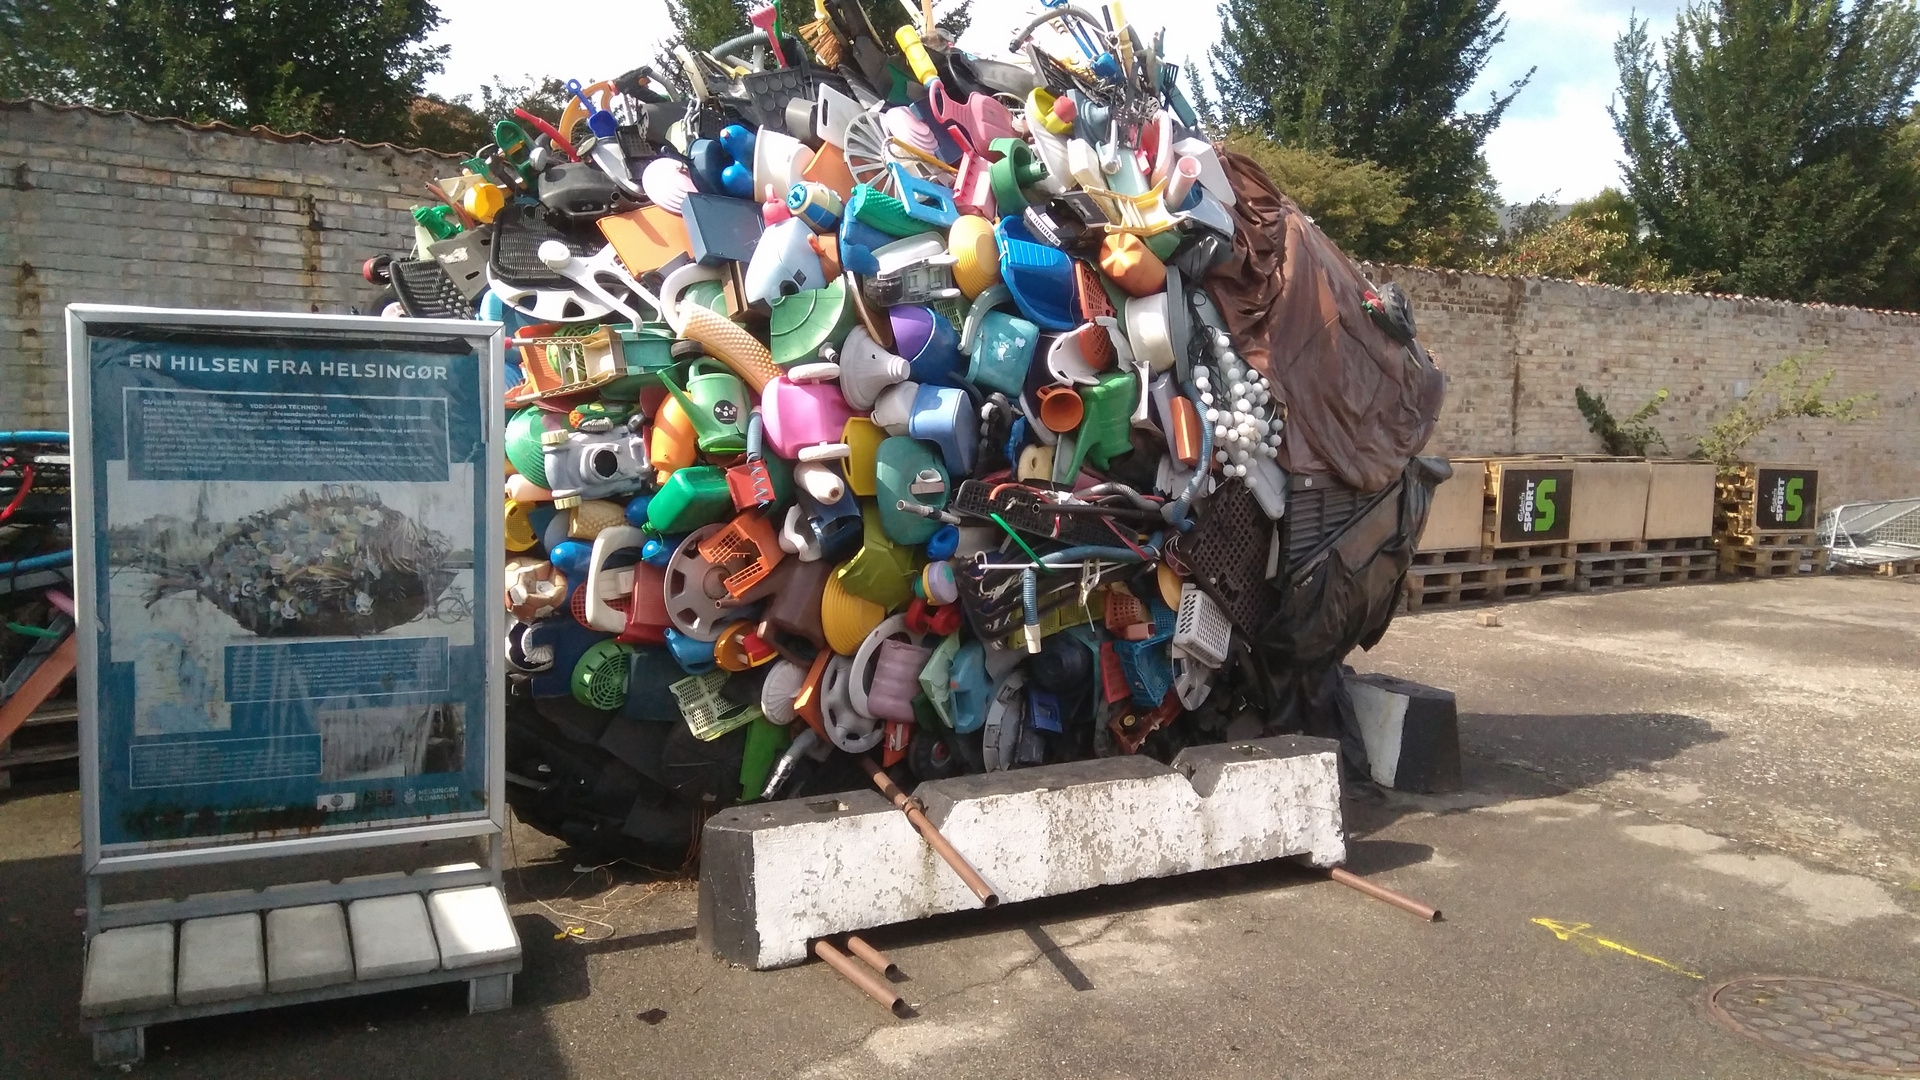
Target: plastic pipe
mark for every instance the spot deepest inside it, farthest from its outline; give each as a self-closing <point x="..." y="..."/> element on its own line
<point x="1176" y="511"/>
<point x="1030" y="604"/>
<point x="8" y="437"/>
<point x="1180" y="183"/>
<point x="37" y="562"/>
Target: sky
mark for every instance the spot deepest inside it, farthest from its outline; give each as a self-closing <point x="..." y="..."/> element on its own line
<point x="1557" y="140"/>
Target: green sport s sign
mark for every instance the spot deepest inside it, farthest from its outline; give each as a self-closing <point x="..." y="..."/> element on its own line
<point x="1536" y="505"/>
<point x="1786" y="500"/>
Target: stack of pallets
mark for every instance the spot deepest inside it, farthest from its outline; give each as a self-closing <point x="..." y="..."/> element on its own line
<point x="1483" y="575"/>
<point x="1604" y="565"/>
<point x="1751" y="539"/>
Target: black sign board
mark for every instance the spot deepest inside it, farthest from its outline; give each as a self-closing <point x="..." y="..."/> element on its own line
<point x="1786" y="500"/>
<point x="1536" y="505"/>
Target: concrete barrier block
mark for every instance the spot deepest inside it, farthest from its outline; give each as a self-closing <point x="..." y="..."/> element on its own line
<point x="1411" y="731"/>
<point x="774" y="877"/>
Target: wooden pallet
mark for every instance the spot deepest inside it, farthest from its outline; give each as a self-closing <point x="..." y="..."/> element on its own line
<point x="1452" y="557"/>
<point x="1772" y="561"/>
<point x="1454" y="584"/>
<point x="1599" y="573"/>
<point x="1900" y="568"/>
<point x="1609" y="547"/>
<point x="1768" y="540"/>
<point x="1680" y="544"/>
<point x="50" y="734"/>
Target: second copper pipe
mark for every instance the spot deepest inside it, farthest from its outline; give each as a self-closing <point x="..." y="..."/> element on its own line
<point x="875" y="987"/>
<point x="988" y="898"/>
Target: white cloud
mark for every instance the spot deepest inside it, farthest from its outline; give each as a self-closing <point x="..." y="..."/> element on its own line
<point x="1556" y="136"/>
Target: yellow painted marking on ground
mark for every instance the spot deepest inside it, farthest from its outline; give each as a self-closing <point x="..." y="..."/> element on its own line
<point x="1581" y="934"/>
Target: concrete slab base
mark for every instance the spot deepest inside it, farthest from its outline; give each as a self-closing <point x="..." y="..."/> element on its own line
<point x="1411" y="731"/>
<point x="774" y="877"/>
<point x="392" y="937"/>
<point x="307" y="948"/>
<point x="221" y="958"/>
<point x="129" y="970"/>
<point x="473" y="927"/>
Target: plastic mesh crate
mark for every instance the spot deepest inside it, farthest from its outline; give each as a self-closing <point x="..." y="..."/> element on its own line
<point x="1148" y="666"/>
<point x="1202" y="631"/>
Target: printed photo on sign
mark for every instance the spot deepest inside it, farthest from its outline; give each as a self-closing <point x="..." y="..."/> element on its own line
<point x="198" y="567"/>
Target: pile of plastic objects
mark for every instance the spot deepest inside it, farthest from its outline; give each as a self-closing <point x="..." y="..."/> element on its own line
<point x="863" y="401"/>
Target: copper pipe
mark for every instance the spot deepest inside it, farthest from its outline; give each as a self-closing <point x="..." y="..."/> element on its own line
<point x="908" y="806"/>
<point x="1404" y="903"/>
<point x="874" y="958"/>
<point x="862" y="978"/>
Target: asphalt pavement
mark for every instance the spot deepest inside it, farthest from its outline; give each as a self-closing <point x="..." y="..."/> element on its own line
<point x="1667" y="789"/>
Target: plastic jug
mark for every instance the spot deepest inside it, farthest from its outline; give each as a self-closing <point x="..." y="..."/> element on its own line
<point x="907" y="470"/>
<point x="1003" y="352"/>
<point x="944" y="416"/>
<point x="690" y="498"/>
<point x="799" y="415"/>
<point x="794" y="610"/>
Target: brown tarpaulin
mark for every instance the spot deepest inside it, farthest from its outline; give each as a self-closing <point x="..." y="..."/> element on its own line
<point x="1359" y="403"/>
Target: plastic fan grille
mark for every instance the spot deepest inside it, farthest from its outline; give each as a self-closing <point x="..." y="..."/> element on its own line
<point x="1227" y="555"/>
<point x="426" y="292"/>
<point x="1202" y="632"/>
<point x="600" y="678"/>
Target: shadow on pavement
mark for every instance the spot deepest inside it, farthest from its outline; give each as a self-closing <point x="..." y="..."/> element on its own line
<point x="1510" y="757"/>
<point x="1580" y="751"/>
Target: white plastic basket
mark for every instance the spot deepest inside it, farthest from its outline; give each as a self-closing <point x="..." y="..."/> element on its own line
<point x="1202" y="632"/>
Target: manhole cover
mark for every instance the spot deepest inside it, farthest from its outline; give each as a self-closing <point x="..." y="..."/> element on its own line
<point x="1825" y="1022"/>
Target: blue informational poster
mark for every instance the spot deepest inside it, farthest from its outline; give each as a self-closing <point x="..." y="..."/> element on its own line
<point x="288" y="531"/>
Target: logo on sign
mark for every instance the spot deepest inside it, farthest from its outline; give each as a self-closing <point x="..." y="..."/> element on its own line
<point x="339" y="800"/>
<point x="1537" y="505"/>
<point x="726" y="412"/>
<point x="1787" y="499"/>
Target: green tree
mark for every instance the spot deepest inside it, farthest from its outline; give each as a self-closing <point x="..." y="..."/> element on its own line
<point x="1345" y="198"/>
<point x="1762" y="143"/>
<point x="1378" y="81"/>
<point x="1596" y="240"/>
<point x="330" y="67"/>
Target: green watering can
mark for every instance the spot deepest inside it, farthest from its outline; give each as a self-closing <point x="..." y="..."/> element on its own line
<point x="716" y="402"/>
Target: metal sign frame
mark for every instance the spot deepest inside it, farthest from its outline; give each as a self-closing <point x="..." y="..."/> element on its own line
<point x="486" y="340"/>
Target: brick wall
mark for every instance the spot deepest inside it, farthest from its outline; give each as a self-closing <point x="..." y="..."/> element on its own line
<point x="113" y="208"/>
<point x="1513" y="349"/>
